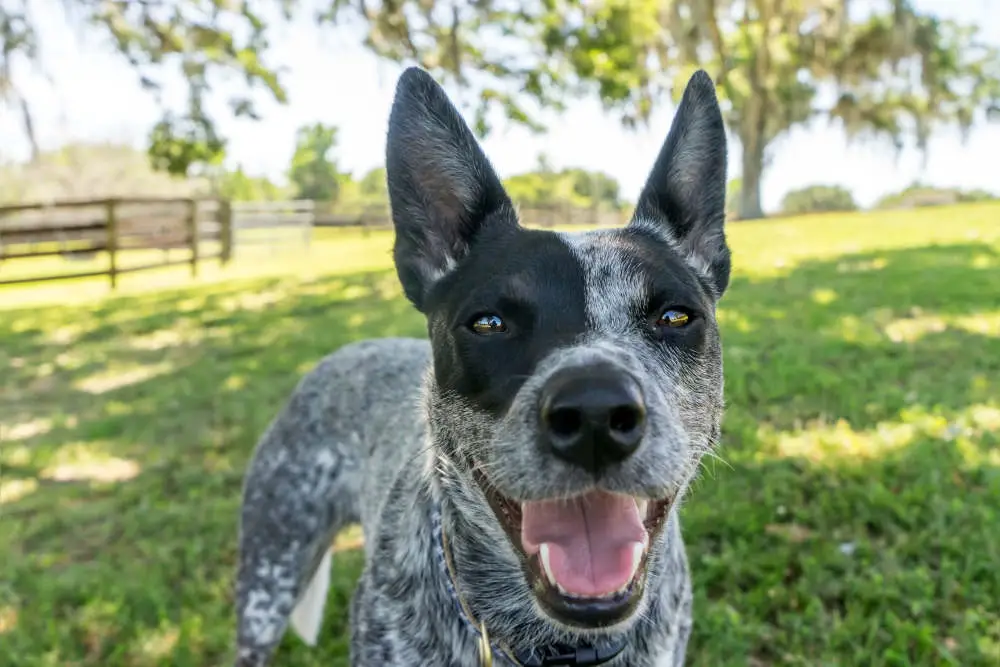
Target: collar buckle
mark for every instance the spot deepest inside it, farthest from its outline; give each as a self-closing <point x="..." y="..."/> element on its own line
<point x="572" y="656"/>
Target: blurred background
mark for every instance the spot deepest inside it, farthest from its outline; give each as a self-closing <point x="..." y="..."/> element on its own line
<point x="193" y="212"/>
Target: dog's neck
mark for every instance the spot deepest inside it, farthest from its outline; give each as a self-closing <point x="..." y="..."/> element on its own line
<point x="535" y="654"/>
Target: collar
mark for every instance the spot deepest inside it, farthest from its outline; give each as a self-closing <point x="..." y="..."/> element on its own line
<point x="553" y="655"/>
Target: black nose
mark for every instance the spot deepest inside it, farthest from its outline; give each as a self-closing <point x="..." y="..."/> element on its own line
<point x="592" y="416"/>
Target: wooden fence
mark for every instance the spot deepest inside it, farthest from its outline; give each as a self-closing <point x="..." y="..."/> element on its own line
<point x="272" y="222"/>
<point x="378" y="217"/>
<point x="202" y="229"/>
<point x="84" y="229"/>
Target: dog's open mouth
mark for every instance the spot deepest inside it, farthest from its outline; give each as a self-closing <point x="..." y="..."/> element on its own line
<point x="585" y="557"/>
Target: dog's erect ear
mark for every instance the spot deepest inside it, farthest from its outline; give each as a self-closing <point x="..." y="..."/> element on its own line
<point x="684" y="197"/>
<point x="442" y="189"/>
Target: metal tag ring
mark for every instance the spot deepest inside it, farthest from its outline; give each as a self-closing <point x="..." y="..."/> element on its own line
<point x="485" y="650"/>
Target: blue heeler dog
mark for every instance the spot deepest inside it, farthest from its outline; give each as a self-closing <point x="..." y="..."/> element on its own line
<point x="516" y="475"/>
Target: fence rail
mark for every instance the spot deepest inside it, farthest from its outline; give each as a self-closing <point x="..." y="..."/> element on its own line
<point x="378" y="217"/>
<point x="86" y="228"/>
<point x="118" y="227"/>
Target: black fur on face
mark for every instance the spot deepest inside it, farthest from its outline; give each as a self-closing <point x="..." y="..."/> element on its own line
<point x="508" y="308"/>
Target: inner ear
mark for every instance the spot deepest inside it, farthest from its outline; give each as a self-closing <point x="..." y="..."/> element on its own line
<point x="442" y="189"/>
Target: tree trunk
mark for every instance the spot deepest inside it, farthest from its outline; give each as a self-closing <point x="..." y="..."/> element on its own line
<point x="753" y="169"/>
<point x="753" y="141"/>
<point x="29" y="129"/>
<point x="753" y="125"/>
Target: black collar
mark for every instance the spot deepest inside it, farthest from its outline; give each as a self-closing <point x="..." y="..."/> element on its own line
<point x="553" y="655"/>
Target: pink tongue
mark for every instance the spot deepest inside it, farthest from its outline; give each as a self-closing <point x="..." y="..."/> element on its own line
<point x="591" y="540"/>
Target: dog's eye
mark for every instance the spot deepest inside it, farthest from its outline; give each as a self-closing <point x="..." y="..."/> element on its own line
<point x="488" y="324"/>
<point x="673" y="318"/>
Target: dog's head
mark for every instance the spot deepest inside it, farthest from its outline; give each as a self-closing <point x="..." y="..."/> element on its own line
<point x="577" y="377"/>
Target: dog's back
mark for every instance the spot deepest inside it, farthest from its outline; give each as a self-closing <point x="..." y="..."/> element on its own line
<point x="349" y="426"/>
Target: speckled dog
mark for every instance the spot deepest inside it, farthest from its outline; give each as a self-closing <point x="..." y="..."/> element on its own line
<point x="517" y="475"/>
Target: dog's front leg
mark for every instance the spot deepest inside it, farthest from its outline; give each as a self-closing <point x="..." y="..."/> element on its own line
<point x="295" y="498"/>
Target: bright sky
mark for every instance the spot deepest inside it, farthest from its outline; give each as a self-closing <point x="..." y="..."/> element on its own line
<point x="87" y="93"/>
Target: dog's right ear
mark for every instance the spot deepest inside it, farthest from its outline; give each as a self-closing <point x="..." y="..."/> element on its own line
<point x="442" y="189"/>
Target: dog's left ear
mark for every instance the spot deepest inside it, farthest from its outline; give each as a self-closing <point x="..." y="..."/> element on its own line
<point x="442" y="189"/>
<point x="684" y="197"/>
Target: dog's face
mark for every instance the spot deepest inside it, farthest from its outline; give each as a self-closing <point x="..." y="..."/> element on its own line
<point x="577" y="377"/>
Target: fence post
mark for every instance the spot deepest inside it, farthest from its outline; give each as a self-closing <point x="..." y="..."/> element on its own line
<point x="111" y="225"/>
<point x="226" y="230"/>
<point x="310" y="221"/>
<point x="192" y="223"/>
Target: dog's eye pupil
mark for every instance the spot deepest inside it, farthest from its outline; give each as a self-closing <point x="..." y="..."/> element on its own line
<point x="488" y="324"/>
<point x="673" y="318"/>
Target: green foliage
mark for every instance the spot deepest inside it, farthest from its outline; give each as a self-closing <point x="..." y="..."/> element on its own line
<point x="177" y="145"/>
<point x="313" y="172"/>
<point x="541" y="188"/>
<point x="495" y="50"/>
<point x="17" y="40"/>
<point x="733" y="190"/>
<point x="770" y="60"/>
<point x="818" y="199"/>
<point x="568" y="187"/>
<point x="92" y="170"/>
<point x="237" y="185"/>
<point x="373" y="185"/>
<point x="919" y="194"/>
<point x="201" y="39"/>
<point x="851" y="520"/>
<point x="367" y="192"/>
<point x="897" y="72"/>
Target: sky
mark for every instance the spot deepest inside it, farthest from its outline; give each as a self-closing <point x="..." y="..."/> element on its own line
<point x="84" y="92"/>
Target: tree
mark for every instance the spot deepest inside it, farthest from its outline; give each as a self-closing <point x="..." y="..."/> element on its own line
<point x="894" y="72"/>
<point x="202" y="39"/>
<point x="573" y="187"/>
<point x="237" y="185"/>
<point x="921" y="194"/>
<point x="733" y="188"/>
<point x="370" y="190"/>
<point x="17" y="38"/>
<point x="595" y="187"/>
<point x="818" y="199"/>
<point x="92" y="170"/>
<point x="313" y="172"/>
<point x="373" y="186"/>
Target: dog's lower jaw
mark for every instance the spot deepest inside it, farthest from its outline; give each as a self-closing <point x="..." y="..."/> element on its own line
<point x="590" y="608"/>
<point x="515" y="617"/>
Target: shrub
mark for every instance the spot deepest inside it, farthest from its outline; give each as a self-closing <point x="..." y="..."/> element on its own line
<point x="818" y="198"/>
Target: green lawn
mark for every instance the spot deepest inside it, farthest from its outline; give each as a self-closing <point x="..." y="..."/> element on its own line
<point x="852" y="518"/>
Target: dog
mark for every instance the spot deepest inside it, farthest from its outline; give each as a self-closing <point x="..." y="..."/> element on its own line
<point x="517" y="473"/>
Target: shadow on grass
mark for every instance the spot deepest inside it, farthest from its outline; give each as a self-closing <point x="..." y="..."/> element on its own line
<point x="850" y="526"/>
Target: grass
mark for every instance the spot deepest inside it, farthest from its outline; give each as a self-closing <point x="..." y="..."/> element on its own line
<point x="855" y="519"/>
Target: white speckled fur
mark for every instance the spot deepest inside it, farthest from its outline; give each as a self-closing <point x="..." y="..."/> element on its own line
<point x="370" y="436"/>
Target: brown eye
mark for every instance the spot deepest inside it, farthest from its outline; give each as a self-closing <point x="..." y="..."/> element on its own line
<point x="488" y="324"/>
<point x="673" y="318"/>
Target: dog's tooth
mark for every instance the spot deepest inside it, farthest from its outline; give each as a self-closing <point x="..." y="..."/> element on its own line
<point x="638" y="551"/>
<point x="643" y="507"/>
<point x="543" y="556"/>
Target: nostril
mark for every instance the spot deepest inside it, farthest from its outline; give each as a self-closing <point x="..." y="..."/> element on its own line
<point x="625" y="419"/>
<point x="565" y="422"/>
